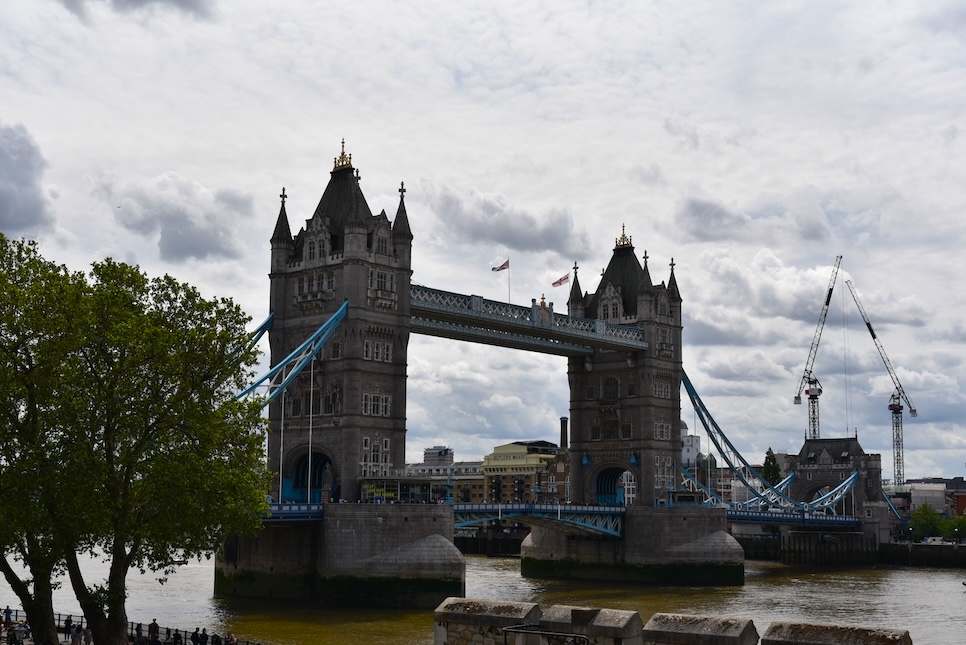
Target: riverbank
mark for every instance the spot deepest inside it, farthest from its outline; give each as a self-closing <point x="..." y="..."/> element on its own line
<point x="926" y="601"/>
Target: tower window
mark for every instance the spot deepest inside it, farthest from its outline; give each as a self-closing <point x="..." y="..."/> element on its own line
<point x="611" y="388"/>
<point x="311" y="250"/>
<point x="382" y="245"/>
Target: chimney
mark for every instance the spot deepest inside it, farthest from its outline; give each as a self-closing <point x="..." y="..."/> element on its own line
<point x="563" y="433"/>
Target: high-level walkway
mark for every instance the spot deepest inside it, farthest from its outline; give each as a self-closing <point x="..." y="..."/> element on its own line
<point x="534" y="328"/>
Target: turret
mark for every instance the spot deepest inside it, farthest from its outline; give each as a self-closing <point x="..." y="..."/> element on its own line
<point x="282" y="246"/>
<point x="402" y="235"/>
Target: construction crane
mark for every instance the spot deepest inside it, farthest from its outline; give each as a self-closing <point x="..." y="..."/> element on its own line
<point x="895" y="401"/>
<point x="814" y="387"/>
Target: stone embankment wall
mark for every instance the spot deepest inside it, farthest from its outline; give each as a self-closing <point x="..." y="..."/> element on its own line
<point x="467" y="621"/>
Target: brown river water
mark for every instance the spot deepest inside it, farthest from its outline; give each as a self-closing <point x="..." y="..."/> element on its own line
<point x="930" y="603"/>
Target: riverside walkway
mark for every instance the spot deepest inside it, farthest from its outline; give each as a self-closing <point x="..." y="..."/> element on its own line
<point x="18" y="617"/>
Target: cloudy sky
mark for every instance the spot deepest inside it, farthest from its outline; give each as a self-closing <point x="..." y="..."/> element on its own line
<point x="750" y="142"/>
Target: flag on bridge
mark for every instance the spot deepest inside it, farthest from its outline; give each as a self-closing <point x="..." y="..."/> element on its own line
<point x="502" y="267"/>
<point x="564" y="280"/>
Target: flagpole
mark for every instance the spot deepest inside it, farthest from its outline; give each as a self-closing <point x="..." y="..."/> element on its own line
<point x="508" y="279"/>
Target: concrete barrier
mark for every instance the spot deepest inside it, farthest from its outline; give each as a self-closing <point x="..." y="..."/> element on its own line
<point x="469" y="621"/>
<point x="785" y="633"/>
<point x="672" y="629"/>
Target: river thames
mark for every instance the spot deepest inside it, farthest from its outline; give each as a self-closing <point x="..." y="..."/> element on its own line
<point x="928" y="602"/>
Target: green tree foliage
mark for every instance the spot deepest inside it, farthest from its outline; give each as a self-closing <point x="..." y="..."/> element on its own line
<point x="925" y="522"/>
<point x="40" y="329"/>
<point x="154" y="459"/>
<point x="770" y="470"/>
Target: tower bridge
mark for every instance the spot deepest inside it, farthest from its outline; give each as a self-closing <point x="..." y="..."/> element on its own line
<point x="337" y="406"/>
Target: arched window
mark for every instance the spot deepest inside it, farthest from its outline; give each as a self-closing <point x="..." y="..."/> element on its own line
<point x="611" y="388"/>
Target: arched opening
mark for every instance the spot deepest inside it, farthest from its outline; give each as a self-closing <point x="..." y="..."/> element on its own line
<point x="616" y="487"/>
<point x="314" y="488"/>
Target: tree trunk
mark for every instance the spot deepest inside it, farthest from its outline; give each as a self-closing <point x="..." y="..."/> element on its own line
<point x="38" y="606"/>
<point x="110" y="627"/>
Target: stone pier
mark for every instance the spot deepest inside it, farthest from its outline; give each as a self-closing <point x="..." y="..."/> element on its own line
<point x="665" y="546"/>
<point x="374" y="555"/>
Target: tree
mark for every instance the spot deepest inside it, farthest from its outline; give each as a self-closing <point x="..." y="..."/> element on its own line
<point x="155" y="459"/>
<point x="925" y="522"/>
<point x="770" y="470"/>
<point x="39" y="332"/>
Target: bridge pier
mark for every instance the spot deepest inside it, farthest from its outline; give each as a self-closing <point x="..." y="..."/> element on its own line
<point x="660" y="546"/>
<point x="363" y="555"/>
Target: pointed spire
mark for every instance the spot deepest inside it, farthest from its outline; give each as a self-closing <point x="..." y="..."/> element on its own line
<point x="283" y="232"/>
<point x="645" y="275"/>
<point x="672" y="285"/>
<point x="576" y="295"/>
<point x="400" y="226"/>
<point x="358" y="209"/>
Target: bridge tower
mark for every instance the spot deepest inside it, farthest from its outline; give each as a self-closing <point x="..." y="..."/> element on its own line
<point x="345" y="417"/>
<point x="625" y="408"/>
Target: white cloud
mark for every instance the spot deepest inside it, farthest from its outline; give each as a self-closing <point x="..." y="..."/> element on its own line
<point x="751" y="143"/>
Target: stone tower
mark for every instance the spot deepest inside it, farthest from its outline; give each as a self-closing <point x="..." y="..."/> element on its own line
<point x="625" y="408"/>
<point x="344" y="417"/>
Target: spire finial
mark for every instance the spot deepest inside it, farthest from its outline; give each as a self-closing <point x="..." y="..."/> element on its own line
<point x="623" y="241"/>
<point x="645" y="257"/>
<point x="283" y="195"/>
<point x="402" y="189"/>
<point x="343" y="160"/>
<point x="672" y="265"/>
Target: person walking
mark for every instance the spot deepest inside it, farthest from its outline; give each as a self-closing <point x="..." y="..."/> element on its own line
<point x="195" y="637"/>
<point x="88" y="636"/>
<point x="7" y="613"/>
<point x="77" y="636"/>
<point x="203" y="639"/>
<point x="154" y="630"/>
<point x="68" y="627"/>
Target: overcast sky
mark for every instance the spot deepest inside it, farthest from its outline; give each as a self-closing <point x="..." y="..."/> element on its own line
<point x="750" y="142"/>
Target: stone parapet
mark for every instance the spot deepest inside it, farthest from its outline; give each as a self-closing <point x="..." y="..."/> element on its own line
<point x="469" y="621"/>
<point x="786" y="633"/>
<point x="672" y="629"/>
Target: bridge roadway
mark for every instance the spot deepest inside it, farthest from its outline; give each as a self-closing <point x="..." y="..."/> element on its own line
<point x="534" y="328"/>
<point x="590" y="519"/>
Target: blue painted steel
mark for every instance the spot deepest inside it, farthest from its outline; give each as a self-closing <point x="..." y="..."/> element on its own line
<point x="892" y="507"/>
<point x="259" y="331"/>
<point x="299" y="359"/>
<point x="294" y="512"/>
<point x="800" y="518"/>
<point x="607" y="520"/>
<point x="765" y="493"/>
<point x="711" y="498"/>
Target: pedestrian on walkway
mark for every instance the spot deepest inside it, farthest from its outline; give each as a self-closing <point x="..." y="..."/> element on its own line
<point x="154" y="630"/>
<point x="195" y="637"/>
<point x="68" y="627"/>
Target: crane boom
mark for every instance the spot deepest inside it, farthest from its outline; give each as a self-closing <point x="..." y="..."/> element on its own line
<point x="818" y="332"/>
<point x="895" y="401"/>
<point x="815" y="388"/>
<point x="882" y="352"/>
